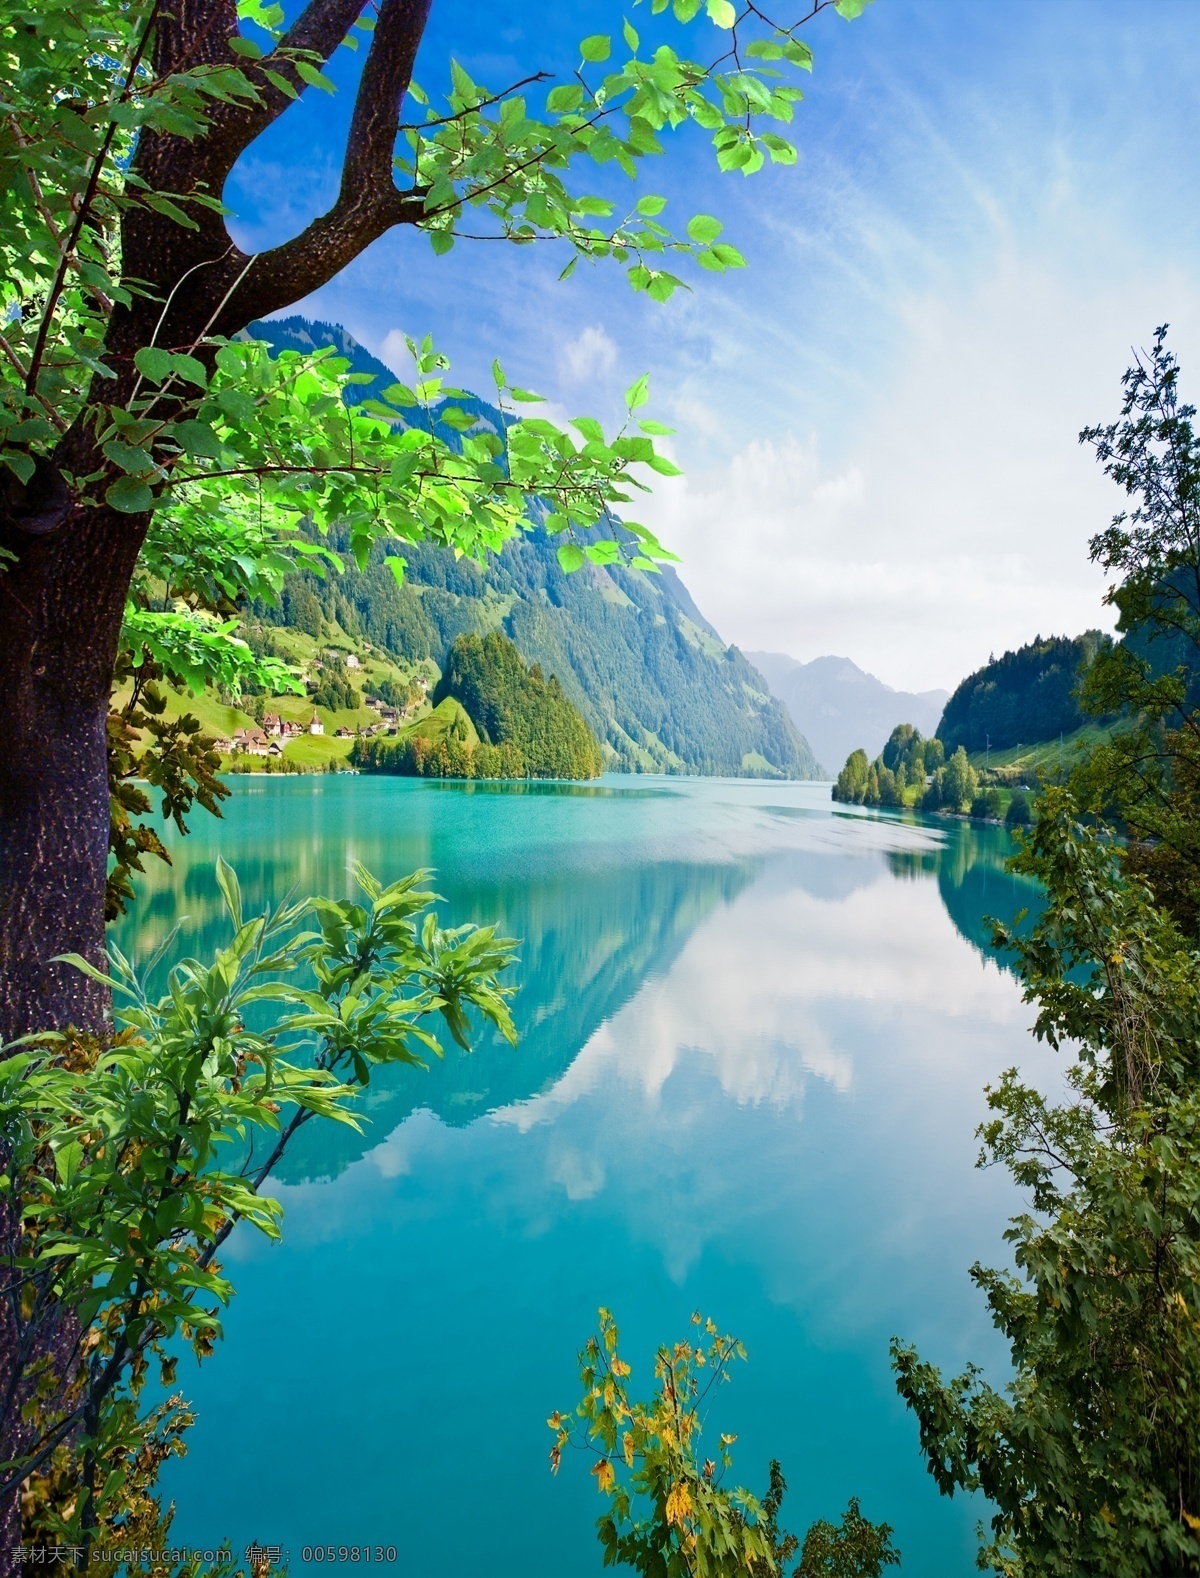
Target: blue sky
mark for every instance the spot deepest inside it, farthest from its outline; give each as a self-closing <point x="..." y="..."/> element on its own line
<point x="878" y="417"/>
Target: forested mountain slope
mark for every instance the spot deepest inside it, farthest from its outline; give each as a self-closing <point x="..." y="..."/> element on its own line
<point x="653" y="680"/>
<point x="1025" y="696"/>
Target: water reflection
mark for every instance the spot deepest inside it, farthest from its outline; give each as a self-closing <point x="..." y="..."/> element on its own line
<point x="754" y="1040"/>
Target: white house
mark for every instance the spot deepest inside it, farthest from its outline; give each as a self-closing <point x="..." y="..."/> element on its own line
<point x="315" y="726"/>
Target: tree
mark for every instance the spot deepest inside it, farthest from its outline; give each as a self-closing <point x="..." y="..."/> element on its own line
<point x="131" y="1158"/>
<point x="1148" y="774"/>
<point x="1091" y="1459"/>
<point x="669" y="1514"/>
<point x="125" y="400"/>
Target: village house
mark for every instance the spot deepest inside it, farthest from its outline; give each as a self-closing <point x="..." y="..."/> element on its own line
<point x="272" y="725"/>
<point x="252" y="740"/>
<point x="343" y="733"/>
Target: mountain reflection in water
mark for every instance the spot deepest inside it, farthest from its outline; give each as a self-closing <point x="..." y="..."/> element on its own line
<point x="754" y="1032"/>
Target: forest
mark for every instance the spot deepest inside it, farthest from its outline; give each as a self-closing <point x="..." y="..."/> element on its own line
<point x="514" y="723"/>
<point x="1026" y="695"/>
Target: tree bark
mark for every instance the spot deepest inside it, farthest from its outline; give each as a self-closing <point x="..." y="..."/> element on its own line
<point x="60" y="610"/>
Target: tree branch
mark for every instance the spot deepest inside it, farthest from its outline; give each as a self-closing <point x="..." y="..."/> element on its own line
<point x="369" y="202"/>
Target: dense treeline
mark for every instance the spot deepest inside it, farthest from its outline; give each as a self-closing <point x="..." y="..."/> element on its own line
<point x="516" y="706"/>
<point x="493" y="718"/>
<point x="915" y="771"/>
<point x="1024" y="696"/>
<point x="652" y="679"/>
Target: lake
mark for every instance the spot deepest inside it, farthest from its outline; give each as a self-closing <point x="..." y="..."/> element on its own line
<point x="755" y="1031"/>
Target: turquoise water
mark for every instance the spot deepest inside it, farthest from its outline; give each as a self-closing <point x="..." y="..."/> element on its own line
<point x="755" y="1032"/>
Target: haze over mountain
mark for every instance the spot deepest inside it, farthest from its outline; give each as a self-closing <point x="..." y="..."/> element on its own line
<point x="839" y="708"/>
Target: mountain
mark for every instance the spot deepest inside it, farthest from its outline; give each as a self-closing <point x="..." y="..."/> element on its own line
<point x="842" y="709"/>
<point x="654" y="681"/>
<point x="1025" y="696"/>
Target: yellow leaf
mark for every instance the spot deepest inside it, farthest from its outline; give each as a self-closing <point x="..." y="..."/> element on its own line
<point x="604" y="1475"/>
<point x="679" y="1504"/>
<point x="1192" y="1522"/>
<point x="627" y="1443"/>
<point x="619" y="1367"/>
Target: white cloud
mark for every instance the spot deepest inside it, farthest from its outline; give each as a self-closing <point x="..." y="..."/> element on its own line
<point x="393" y="350"/>
<point x="589" y="356"/>
<point x="957" y="517"/>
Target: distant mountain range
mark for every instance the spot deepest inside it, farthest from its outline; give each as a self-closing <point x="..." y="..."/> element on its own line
<point x="840" y="708"/>
<point x="657" y="685"/>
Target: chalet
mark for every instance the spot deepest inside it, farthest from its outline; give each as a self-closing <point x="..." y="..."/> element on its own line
<point x="315" y="726"/>
<point x="272" y="725"/>
<point x="223" y="745"/>
<point x="274" y="749"/>
<point x="253" y="741"/>
<point x="343" y="733"/>
<point x="352" y="661"/>
<point x="388" y="714"/>
<point x="291" y="730"/>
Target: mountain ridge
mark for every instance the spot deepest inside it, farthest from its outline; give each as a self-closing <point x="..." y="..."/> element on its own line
<point x="653" y="679"/>
<point x="840" y="707"/>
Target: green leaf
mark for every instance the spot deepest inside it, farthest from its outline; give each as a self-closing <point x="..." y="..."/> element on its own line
<point x="314" y="78"/>
<point x="651" y="205"/>
<point x="638" y="393"/>
<point x="153" y="363"/>
<point x="526" y="395"/>
<point x="281" y="83"/>
<point x="596" y="47"/>
<point x="129" y="495"/>
<point x="630" y="36"/>
<point x="704" y="229"/>
<point x="729" y="256"/>
<point x="230" y="890"/>
<point x="441" y="241"/>
<point x="722" y="13"/>
<point x="850" y="8"/>
<point x="128" y="457"/>
<point x="565" y="99"/>
<point x="397" y="566"/>
<point x="198" y="439"/>
<point x="19" y="463"/>
<point x="571" y="556"/>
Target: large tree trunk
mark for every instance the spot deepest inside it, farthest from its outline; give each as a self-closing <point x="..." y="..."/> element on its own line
<point x="60" y="610"/>
<point x="61" y="604"/>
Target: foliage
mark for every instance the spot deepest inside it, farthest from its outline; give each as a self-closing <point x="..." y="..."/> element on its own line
<point x="988" y="804"/>
<point x="669" y="1514"/>
<point x="131" y="1157"/>
<point x="1091" y="1459"/>
<point x="904" y="761"/>
<point x="1020" y="808"/>
<point x="855" y="1548"/>
<point x="393" y="694"/>
<point x="652" y="680"/>
<point x="1147" y="776"/>
<point x="333" y="688"/>
<point x="1026" y="695"/>
<point x="516" y="706"/>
